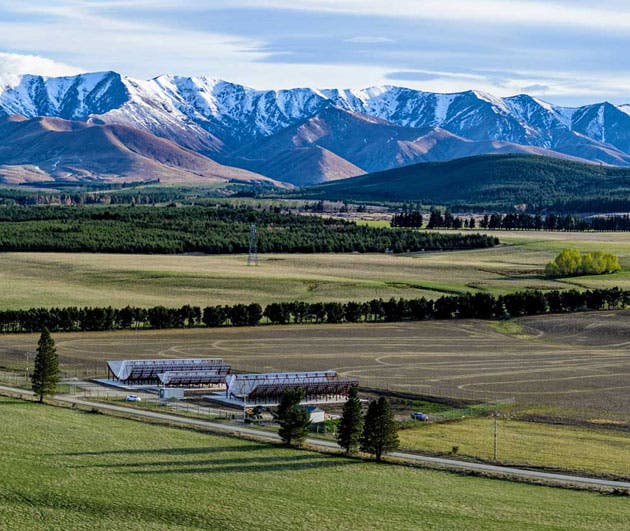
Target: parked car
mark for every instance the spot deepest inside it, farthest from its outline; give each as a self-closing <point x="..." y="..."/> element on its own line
<point x="133" y="398"/>
<point x="418" y="415"/>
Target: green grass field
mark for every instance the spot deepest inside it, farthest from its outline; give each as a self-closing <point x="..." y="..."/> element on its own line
<point x="64" y="469"/>
<point x="57" y="279"/>
<point x="589" y="450"/>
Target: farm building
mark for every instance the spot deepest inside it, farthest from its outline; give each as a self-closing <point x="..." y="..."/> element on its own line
<point x="266" y="389"/>
<point x="169" y="372"/>
<point x="316" y="415"/>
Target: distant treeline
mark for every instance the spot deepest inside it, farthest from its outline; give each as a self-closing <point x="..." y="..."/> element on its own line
<point x="552" y="222"/>
<point x="555" y="222"/>
<point x="473" y="306"/>
<point x="437" y="220"/>
<point x="213" y="230"/>
<point x="408" y="218"/>
<point x="146" y="193"/>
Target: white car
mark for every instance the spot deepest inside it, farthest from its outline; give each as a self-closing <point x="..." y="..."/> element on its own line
<point x="133" y="398"/>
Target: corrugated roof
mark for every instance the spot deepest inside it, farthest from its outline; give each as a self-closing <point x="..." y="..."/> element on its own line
<point x="149" y="369"/>
<point x="242" y="385"/>
<point x="192" y="377"/>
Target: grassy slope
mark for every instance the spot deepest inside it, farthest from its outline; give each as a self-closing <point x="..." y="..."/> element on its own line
<point x="567" y="447"/>
<point x="67" y="470"/>
<point x="505" y="179"/>
<point x="48" y="279"/>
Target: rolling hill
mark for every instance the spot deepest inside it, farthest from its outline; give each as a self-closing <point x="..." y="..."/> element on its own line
<point x="498" y="179"/>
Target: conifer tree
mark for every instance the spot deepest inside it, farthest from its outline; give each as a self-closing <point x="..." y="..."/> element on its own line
<point x="380" y="432"/>
<point x="46" y="371"/>
<point x="351" y="425"/>
<point x="294" y="420"/>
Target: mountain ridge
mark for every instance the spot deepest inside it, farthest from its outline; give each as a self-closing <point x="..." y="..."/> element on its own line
<point x="223" y="121"/>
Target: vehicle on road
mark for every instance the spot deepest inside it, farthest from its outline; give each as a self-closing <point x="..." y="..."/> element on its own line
<point x="133" y="398"/>
<point x="418" y="415"/>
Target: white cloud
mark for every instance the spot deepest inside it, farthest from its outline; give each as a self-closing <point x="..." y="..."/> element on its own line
<point x="104" y="42"/>
<point x="98" y="35"/>
<point x="12" y="66"/>
<point x="488" y="11"/>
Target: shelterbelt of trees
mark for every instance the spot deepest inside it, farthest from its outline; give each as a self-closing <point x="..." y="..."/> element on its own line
<point x="467" y="306"/>
<point x="438" y="219"/>
<point x="213" y="230"/>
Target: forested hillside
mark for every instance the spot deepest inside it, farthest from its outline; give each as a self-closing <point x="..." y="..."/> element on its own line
<point x="215" y="230"/>
<point x="500" y="180"/>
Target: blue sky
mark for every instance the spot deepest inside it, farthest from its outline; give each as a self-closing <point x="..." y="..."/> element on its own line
<point x="567" y="52"/>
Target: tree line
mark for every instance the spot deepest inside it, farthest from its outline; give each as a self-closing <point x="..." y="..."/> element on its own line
<point x="205" y="229"/>
<point x="554" y="222"/>
<point x="517" y="221"/>
<point x="469" y="305"/>
<point x="411" y="218"/>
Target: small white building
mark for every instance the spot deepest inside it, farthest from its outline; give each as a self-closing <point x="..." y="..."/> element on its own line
<point x="317" y="415"/>
<point x="167" y="393"/>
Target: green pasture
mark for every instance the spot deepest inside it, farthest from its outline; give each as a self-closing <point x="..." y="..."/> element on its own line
<point x="521" y="443"/>
<point x="64" y="469"/>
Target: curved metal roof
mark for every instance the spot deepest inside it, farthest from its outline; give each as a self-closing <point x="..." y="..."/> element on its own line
<point x="192" y="377"/>
<point x="125" y="370"/>
<point x="270" y="384"/>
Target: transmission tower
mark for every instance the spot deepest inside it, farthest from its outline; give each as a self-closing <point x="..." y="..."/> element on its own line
<point x="252" y="258"/>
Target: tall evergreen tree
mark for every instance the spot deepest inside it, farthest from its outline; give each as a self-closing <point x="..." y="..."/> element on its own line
<point x="380" y="432"/>
<point x="351" y="425"/>
<point x="46" y="371"/>
<point x="294" y="420"/>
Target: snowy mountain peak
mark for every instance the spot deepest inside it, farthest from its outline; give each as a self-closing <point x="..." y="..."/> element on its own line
<point x="212" y="115"/>
<point x="489" y="98"/>
<point x="70" y="97"/>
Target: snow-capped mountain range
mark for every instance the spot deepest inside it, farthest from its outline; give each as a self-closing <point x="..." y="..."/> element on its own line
<point x="375" y="128"/>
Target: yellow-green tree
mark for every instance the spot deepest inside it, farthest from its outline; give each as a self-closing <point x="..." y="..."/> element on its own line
<point x="565" y="264"/>
<point x="598" y="263"/>
<point x="570" y="262"/>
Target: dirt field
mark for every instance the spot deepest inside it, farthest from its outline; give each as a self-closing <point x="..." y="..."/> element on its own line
<point x="577" y="365"/>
